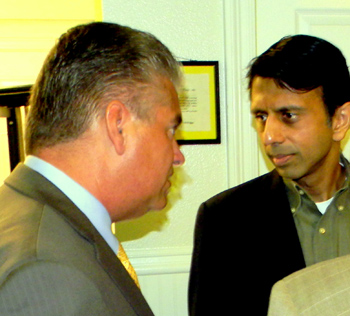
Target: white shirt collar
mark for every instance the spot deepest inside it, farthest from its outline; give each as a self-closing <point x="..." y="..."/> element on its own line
<point x="84" y="200"/>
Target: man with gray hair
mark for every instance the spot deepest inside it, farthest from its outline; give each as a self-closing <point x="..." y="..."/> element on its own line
<point x="101" y="149"/>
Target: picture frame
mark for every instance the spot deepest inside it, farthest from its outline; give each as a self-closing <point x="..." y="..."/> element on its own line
<point x="200" y="104"/>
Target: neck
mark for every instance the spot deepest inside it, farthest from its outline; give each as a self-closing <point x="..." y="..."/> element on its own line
<point x="75" y="160"/>
<point x="320" y="187"/>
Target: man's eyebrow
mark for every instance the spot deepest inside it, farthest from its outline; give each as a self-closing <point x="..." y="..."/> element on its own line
<point x="291" y="107"/>
<point x="255" y="111"/>
<point x="178" y="120"/>
<point x="284" y="108"/>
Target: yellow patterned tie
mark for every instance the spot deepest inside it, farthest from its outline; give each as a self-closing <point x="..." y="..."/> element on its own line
<point x="125" y="261"/>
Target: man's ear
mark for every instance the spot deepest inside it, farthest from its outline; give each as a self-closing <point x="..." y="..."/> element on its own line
<point x="341" y="121"/>
<point x="117" y="115"/>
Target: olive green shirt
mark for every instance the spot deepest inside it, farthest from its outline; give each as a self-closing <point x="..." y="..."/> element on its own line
<point x="327" y="236"/>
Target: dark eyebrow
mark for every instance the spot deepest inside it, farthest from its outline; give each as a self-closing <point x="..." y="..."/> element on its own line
<point x="290" y="108"/>
<point x="281" y="109"/>
<point x="177" y="120"/>
<point x="255" y="111"/>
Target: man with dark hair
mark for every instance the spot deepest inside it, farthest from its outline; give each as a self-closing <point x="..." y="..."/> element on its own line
<point x="101" y="149"/>
<point x="296" y="215"/>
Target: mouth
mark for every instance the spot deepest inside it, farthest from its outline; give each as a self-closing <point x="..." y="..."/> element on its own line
<point x="168" y="183"/>
<point x="168" y="180"/>
<point x="281" y="160"/>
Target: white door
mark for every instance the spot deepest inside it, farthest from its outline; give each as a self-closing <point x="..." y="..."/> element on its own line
<point x="328" y="19"/>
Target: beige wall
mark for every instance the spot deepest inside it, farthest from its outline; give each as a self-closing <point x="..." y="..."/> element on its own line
<point x="229" y="31"/>
<point x="28" y="29"/>
<point x="232" y="32"/>
<point x="193" y="30"/>
<point x="160" y="243"/>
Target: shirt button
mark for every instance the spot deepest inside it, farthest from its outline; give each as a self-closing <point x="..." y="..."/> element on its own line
<point x="322" y="230"/>
<point x="294" y="210"/>
<point x="301" y="192"/>
<point x="341" y="208"/>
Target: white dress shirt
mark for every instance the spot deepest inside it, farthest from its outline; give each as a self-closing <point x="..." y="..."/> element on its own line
<point x="84" y="200"/>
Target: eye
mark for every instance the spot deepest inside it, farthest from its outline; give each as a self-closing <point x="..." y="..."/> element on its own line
<point x="173" y="128"/>
<point x="171" y="132"/>
<point x="260" y="117"/>
<point x="289" y="116"/>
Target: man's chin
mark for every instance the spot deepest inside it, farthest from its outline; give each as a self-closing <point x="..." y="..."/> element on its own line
<point x="160" y="205"/>
<point x="289" y="173"/>
<point x="159" y="202"/>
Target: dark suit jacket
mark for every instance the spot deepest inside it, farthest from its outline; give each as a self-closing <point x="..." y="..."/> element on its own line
<point x="245" y="241"/>
<point x="52" y="259"/>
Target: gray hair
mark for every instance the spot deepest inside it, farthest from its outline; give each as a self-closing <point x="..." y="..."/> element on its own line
<point x="90" y="65"/>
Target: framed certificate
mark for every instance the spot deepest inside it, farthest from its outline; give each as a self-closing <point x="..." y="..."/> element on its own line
<point x="199" y="102"/>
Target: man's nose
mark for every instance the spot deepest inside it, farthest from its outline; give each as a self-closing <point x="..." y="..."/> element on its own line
<point x="273" y="132"/>
<point x="179" y="158"/>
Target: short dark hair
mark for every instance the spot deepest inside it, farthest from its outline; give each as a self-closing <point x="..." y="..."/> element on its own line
<point x="89" y="64"/>
<point x="302" y="63"/>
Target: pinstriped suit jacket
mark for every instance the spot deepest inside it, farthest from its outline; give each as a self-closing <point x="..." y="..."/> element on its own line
<point x="52" y="259"/>
<point x="322" y="289"/>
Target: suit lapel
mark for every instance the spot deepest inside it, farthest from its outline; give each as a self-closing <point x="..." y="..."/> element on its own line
<point x="37" y="187"/>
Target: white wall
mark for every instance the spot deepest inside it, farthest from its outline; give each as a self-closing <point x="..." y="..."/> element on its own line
<point x="28" y="30"/>
<point x="232" y="32"/>
<point x="193" y="30"/>
<point x="160" y="244"/>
